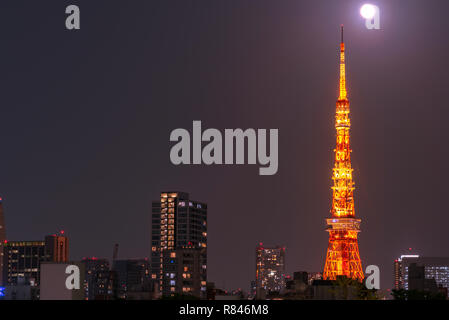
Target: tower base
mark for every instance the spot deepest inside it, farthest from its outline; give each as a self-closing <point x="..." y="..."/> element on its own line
<point x="343" y="258"/>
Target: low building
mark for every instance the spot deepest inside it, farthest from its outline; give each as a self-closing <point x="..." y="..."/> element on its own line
<point x="54" y="276"/>
<point x="99" y="281"/>
<point x="133" y="279"/>
<point x="20" y="290"/>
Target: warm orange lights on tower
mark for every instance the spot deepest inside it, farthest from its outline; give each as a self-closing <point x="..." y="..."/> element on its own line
<point x="343" y="252"/>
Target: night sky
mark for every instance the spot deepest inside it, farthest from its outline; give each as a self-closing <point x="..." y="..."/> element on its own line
<point x="86" y="117"/>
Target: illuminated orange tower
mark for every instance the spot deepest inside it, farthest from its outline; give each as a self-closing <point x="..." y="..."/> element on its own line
<point x="342" y="256"/>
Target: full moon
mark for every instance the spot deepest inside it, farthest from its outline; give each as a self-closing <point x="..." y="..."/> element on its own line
<point x="367" y="11"/>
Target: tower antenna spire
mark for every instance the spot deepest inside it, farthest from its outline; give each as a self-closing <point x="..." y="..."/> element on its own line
<point x="343" y="93"/>
<point x="341" y="33"/>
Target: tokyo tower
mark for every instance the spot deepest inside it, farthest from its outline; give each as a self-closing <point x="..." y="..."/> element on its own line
<point x="342" y="258"/>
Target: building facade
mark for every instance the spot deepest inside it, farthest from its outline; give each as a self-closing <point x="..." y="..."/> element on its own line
<point x="22" y="260"/>
<point x="57" y="247"/>
<point x="179" y="244"/>
<point x="99" y="281"/>
<point x="133" y="276"/>
<point x="2" y="239"/>
<point x="270" y="269"/>
<point x="184" y="272"/>
<point x="434" y="268"/>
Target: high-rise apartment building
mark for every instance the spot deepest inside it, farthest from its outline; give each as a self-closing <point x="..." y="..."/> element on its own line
<point x="434" y="268"/>
<point x="184" y="272"/>
<point x="398" y="274"/>
<point x="270" y="268"/>
<point x="179" y="244"/>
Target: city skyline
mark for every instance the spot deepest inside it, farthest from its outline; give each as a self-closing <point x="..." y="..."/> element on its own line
<point x="87" y="117"/>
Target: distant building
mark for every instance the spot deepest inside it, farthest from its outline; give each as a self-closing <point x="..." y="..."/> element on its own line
<point x="57" y="247"/>
<point x="270" y="269"/>
<point x="228" y="297"/>
<point x="179" y="244"/>
<point x="434" y="268"/>
<point x="323" y="290"/>
<point x="339" y="289"/>
<point x="214" y="293"/>
<point x="133" y="277"/>
<point x="184" y="272"/>
<point x="314" y="276"/>
<point x="252" y="288"/>
<point x="210" y="291"/>
<point x="418" y="281"/>
<point x="22" y="260"/>
<point x="99" y="281"/>
<point x="301" y="276"/>
<point x="298" y="287"/>
<point x="2" y="239"/>
<point x="22" y="290"/>
<point x="397" y="274"/>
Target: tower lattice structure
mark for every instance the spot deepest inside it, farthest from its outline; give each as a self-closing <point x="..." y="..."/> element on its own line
<point x="343" y="258"/>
